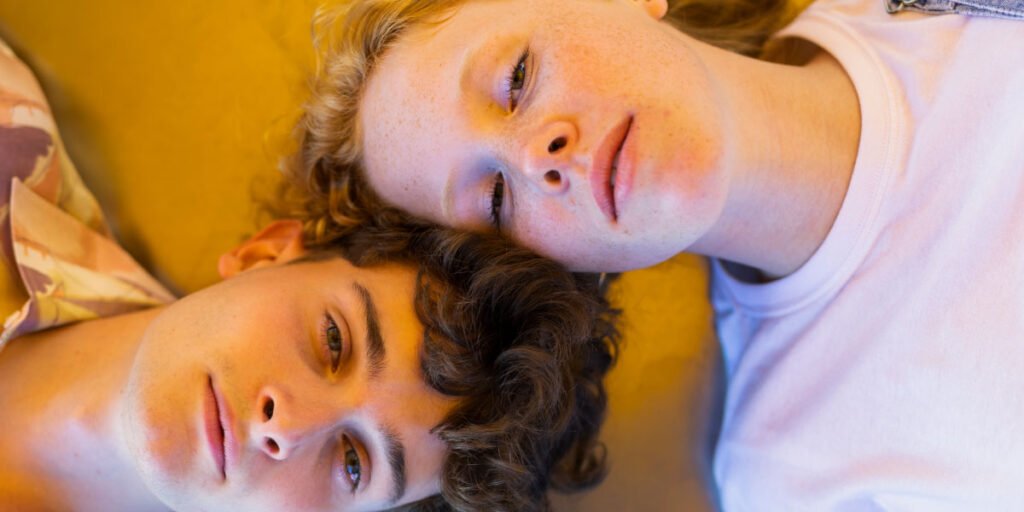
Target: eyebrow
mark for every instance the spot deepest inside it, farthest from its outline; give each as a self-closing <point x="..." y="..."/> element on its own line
<point x="396" y="459"/>
<point x="375" y="354"/>
<point x="374" y="345"/>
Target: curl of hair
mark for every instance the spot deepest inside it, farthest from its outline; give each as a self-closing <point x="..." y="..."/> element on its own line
<point x="523" y="345"/>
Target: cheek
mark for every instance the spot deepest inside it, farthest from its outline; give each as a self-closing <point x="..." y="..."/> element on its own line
<point x="694" y="188"/>
<point x="556" y="229"/>
<point x="161" y="426"/>
<point x="164" y="396"/>
<point x="301" y="486"/>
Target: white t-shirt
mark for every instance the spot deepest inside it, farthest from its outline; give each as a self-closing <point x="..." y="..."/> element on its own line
<point x="887" y="373"/>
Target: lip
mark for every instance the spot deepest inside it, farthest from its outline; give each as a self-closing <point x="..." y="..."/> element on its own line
<point x="609" y="196"/>
<point x="217" y="424"/>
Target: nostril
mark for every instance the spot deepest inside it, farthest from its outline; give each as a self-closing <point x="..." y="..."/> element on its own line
<point x="272" y="447"/>
<point x="268" y="409"/>
<point x="557" y="145"/>
<point x="553" y="177"/>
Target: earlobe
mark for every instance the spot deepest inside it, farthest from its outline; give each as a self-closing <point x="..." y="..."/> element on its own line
<point x="656" y="9"/>
<point x="279" y="242"/>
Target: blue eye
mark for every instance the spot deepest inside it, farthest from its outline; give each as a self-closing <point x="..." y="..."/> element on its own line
<point x="497" y="198"/>
<point x="353" y="467"/>
<point x="334" y="342"/>
<point x="516" y="81"/>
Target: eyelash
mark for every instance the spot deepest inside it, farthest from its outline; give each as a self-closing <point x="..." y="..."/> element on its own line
<point x="330" y="326"/>
<point x="516" y="81"/>
<point x="352" y="469"/>
<point x="497" y="198"/>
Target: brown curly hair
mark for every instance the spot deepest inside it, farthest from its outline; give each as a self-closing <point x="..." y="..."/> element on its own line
<point x="522" y="344"/>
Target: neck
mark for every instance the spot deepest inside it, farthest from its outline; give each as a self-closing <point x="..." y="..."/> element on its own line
<point x="795" y="136"/>
<point x="61" y="393"/>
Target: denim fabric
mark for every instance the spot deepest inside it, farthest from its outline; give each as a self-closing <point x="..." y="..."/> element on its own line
<point x="1012" y="9"/>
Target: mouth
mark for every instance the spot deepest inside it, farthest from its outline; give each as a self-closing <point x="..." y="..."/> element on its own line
<point x="605" y="176"/>
<point x="216" y="434"/>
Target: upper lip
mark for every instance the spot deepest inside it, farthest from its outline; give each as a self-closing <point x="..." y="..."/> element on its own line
<point x="601" y="172"/>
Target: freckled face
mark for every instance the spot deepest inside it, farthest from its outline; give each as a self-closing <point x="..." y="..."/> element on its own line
<point x="588" y="130"/>
<point x="263" y="393"/>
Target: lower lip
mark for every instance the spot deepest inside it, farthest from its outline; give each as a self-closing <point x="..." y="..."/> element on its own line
<point x="214" y="430"/>
<point x="624" y="172"/>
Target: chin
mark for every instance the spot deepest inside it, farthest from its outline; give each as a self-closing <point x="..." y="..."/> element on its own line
<point x="175" y="488"/>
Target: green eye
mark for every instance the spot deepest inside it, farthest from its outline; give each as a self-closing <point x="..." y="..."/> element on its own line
<point x="519" y="75"/>
<point x="516" y="81"/>
<point x="334" y="343"/>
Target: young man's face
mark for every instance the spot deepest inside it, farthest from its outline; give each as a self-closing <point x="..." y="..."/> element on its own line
<point x="295" y="387"/>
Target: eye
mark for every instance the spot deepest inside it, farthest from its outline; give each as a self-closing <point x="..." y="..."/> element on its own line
<point x="333" y="341"/>
<point x="516" y="81"/>
<point x="352" y="468"/>
<point x="497" y="198"/>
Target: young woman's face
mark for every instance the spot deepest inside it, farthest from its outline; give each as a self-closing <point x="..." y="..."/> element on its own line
<point x="295" y="387"/>
<point x="585" y="129"/>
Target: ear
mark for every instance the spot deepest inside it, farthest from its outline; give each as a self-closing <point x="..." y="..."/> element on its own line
<point x="279" y="242"/>
<point x="654" y="8"/>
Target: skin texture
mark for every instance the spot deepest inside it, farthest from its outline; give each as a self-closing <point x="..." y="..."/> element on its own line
<point x="725" y="156"/>
<point x="139" y="433"/>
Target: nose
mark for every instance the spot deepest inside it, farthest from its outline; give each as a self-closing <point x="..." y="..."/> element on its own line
<point x="548" y="160"/>
<point x="282" y="426"/>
